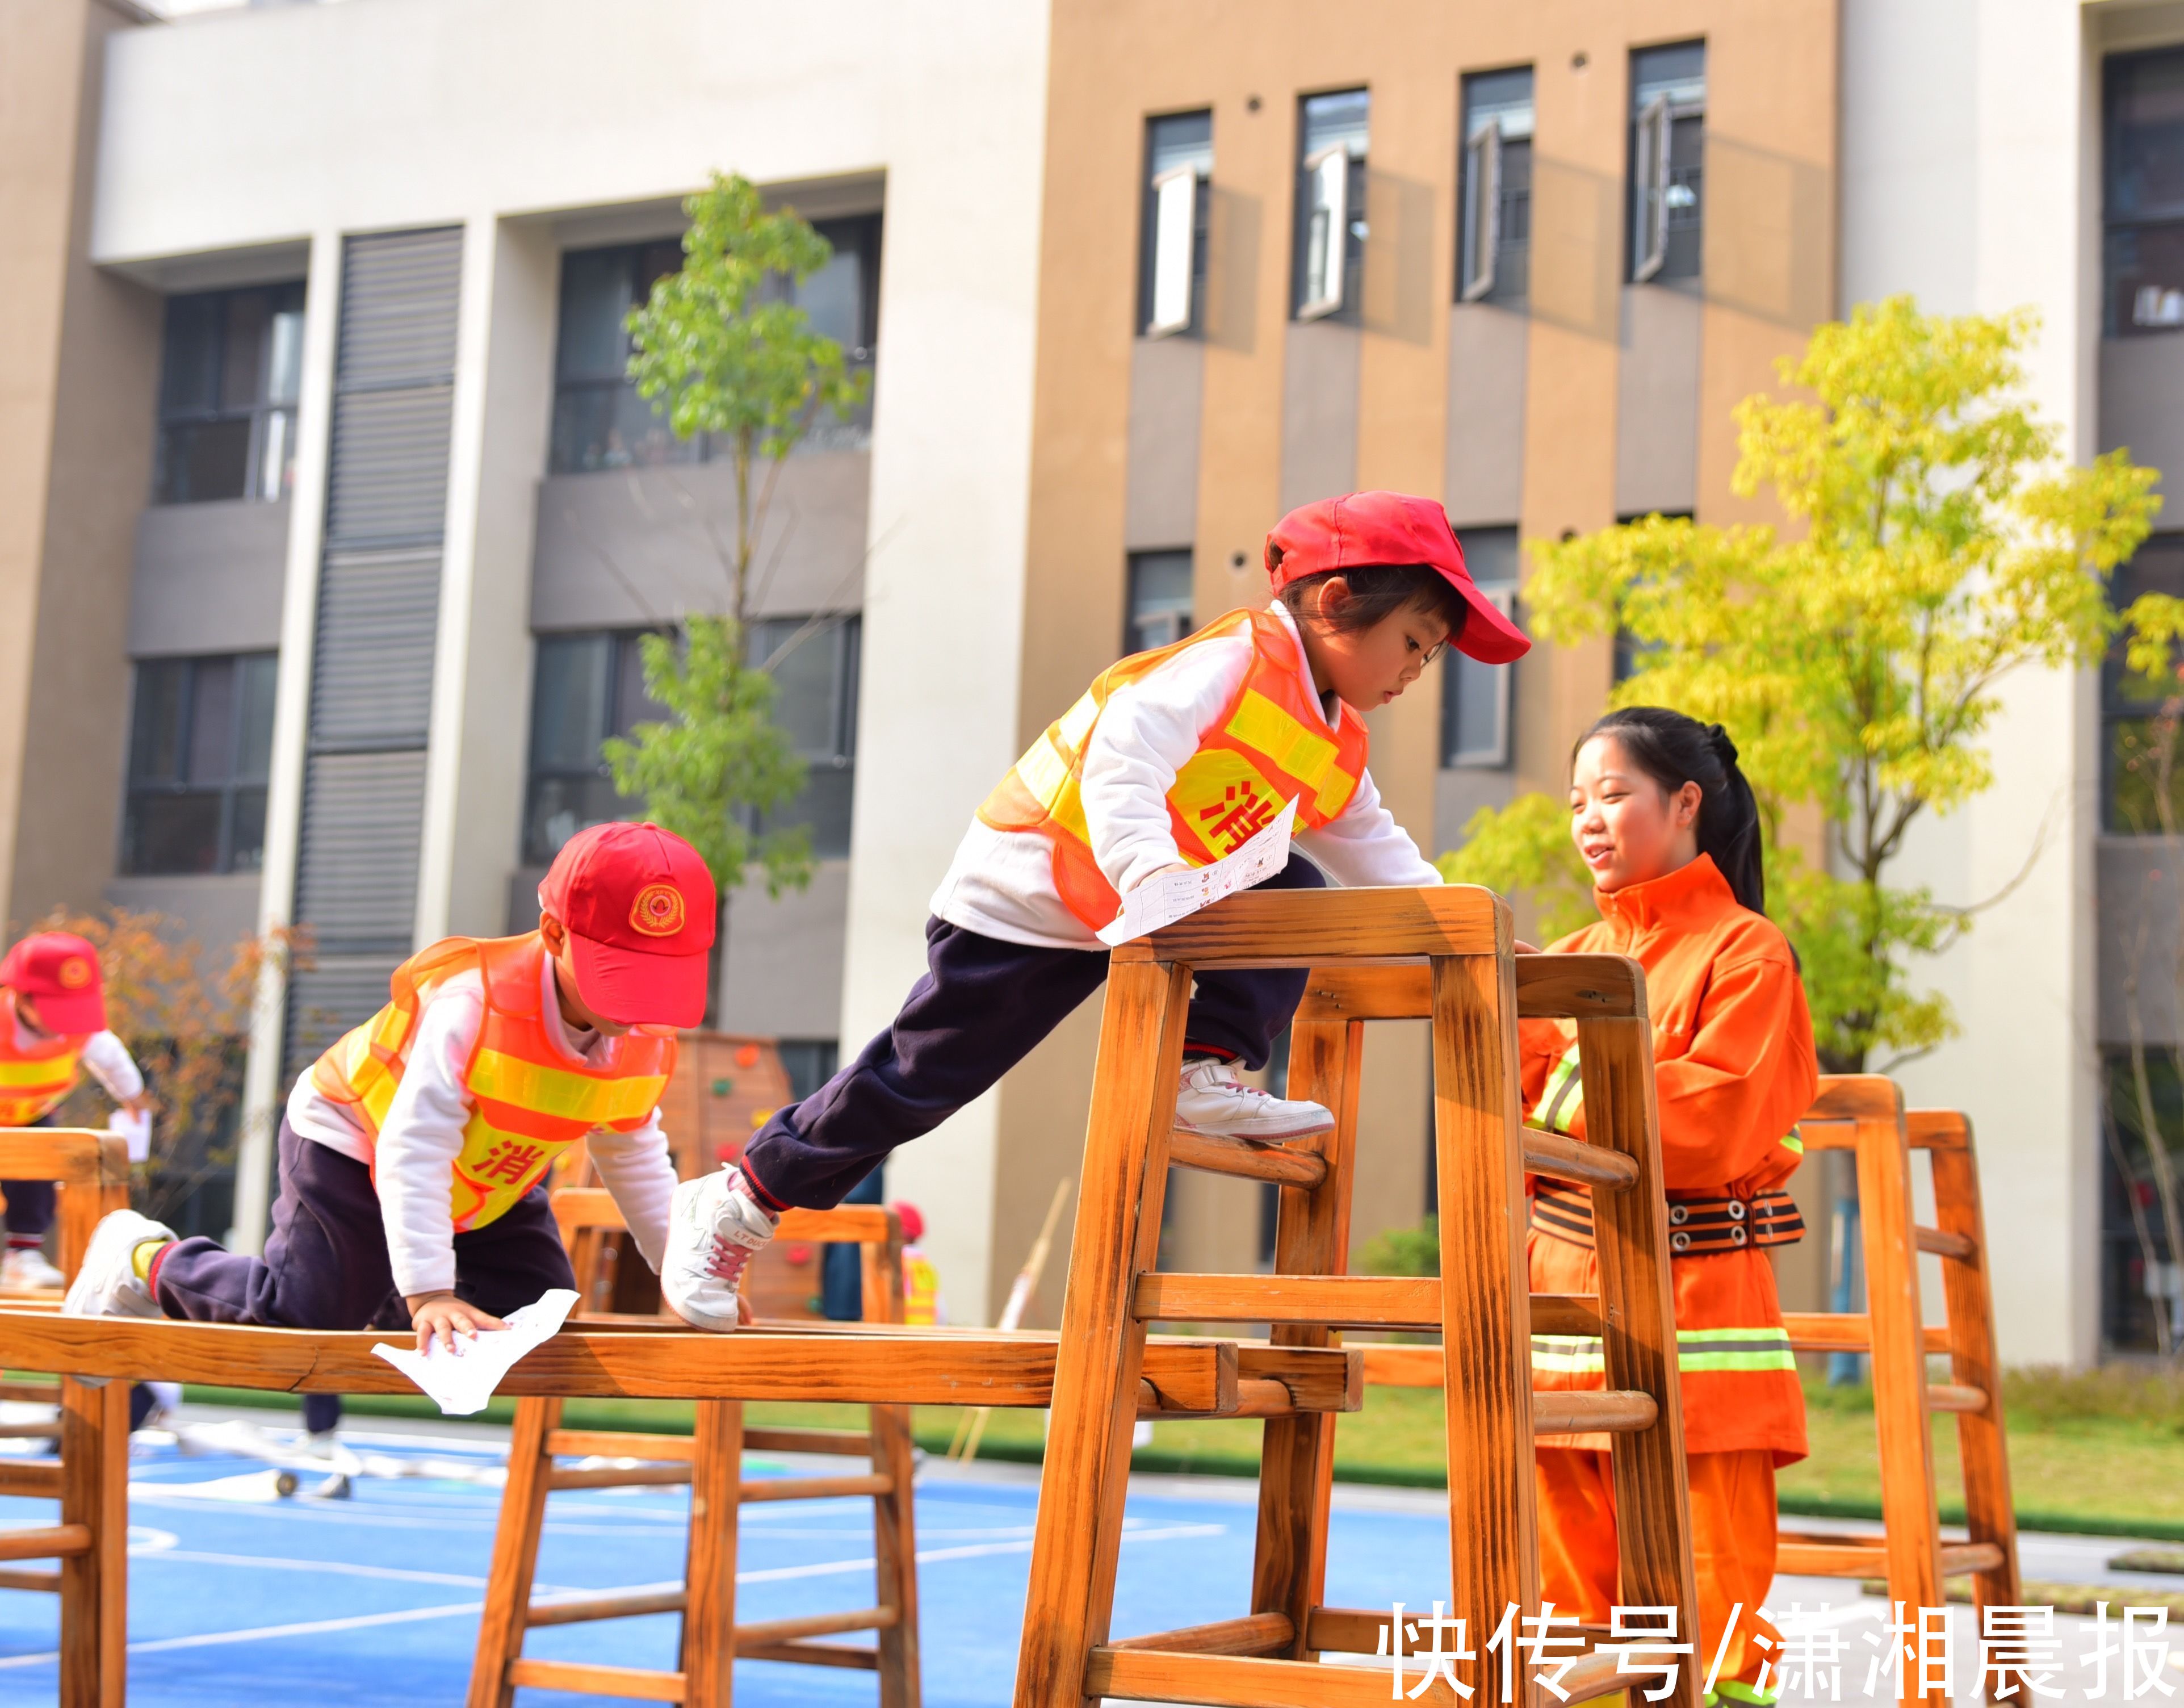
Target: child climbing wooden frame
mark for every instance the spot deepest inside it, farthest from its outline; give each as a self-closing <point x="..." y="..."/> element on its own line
<point x="1451" y="949"/>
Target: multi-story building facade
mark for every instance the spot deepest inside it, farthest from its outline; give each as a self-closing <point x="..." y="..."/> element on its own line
<point x="342" y="519"/>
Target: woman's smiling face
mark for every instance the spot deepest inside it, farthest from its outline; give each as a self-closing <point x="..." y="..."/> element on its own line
<point x="1628" y="828"/>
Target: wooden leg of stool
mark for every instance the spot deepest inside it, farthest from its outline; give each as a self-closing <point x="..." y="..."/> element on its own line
<point x="1486" y="1330"/>
<point x="1311" y="1236"/>
<point x="894" y="1546"/>
<point x="709" y="1618"/>
<point x="1102" y="1347"/>
<point x="515" y="1555"/>
<point x="1637" y="1308"/>
<point x="86" y="1413"/>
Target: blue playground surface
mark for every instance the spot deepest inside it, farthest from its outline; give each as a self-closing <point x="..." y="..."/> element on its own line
<point x="237" y="1596"/>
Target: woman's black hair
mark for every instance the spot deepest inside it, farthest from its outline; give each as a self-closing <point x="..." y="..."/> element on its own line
<point x="1673" y="749"/>
<point x="1377" y="591"/>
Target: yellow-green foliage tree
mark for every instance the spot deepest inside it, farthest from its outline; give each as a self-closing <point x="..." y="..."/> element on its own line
<point x="1936" y="542"/>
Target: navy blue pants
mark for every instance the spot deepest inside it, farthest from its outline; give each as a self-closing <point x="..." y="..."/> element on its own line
<point x="326" y="1265"/>
<point x="29" y="1204"/>
<point x="979" y="1010"/>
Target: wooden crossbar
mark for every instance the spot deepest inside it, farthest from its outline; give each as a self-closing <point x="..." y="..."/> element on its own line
<point x="1549" y="987"/>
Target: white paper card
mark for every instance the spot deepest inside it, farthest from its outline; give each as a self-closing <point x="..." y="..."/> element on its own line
<point x="463" y="1380"/>
<point x="136" y="1129"/>
<point x="1179" y="895"/>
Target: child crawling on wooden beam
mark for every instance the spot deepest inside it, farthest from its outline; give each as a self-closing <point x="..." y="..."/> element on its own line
<point x="414" y="1153"/>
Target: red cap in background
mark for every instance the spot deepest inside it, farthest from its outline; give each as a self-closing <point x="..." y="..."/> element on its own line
<point x="639" y="906"/>
<point x="913" y="1222"/>
<point x="58" y="971"/>
<point x="1391" y="528"/>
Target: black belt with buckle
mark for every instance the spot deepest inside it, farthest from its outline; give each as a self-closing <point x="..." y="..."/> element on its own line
<point x="1700" y="1223"/>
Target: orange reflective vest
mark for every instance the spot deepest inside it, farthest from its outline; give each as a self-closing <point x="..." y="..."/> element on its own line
<point x="530" y="1102"/>
<point x="1734" y="1069"/>
<point x="35" y="1079"/>
<point x="1270" y="745"/>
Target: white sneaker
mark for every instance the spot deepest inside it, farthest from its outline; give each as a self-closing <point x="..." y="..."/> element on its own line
<point x="1211" y="1101"/>
<point x="716" y="1228"/>
<point x="25" y="1268"/>
<point x="107" y="1284"/>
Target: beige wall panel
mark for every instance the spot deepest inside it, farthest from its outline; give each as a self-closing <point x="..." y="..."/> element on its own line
<point x="1483" y="481"/>
<point x="1167" y="386"/>
<point x="1657" y="402"/>
<point x="1321" y="402"/>
<point x="67" y="753"/>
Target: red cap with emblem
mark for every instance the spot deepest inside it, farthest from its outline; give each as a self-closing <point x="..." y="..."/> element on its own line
<point x="58" y="972"/>
<point x="1365" y="529"/>
<point x="639" y="906"/>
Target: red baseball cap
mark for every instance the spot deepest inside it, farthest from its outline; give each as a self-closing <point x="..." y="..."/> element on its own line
<point x="59" y="971"/>
<point x="639" y="906"/>
<point x="1368" y="528"/>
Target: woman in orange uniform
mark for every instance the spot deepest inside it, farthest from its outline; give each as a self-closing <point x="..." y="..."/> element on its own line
<point x="1668" y="827"/>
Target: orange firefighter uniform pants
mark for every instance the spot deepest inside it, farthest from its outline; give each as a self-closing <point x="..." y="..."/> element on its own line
<point x="1732" y="1524"/>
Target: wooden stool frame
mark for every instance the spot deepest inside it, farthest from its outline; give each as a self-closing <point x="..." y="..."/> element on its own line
<point x="1864" y="1113"/>
<point x="709" y="1461"/>
<point x="90" y="1477"/>
<point x="1445" y="954"/>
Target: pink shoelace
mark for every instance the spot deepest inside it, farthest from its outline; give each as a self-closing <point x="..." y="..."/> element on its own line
<point x="727" y="1260"/>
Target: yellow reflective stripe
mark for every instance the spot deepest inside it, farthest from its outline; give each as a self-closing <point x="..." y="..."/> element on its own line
<point x="565" y="1096"/>
<point x="53" y="1070"/>
<point x="1334" y="794"/>
<point x="1564" y="1095"/>
<point x="1043" y="772"/>
<point x="1259" y="723"/>
<point x="1223" y="822"/>
<point x="1793" y="1143"/>
<point x="1074" y="727"/>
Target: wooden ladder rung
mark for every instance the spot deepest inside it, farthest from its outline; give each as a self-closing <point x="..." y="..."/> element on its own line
<point x="816" y="1488"/>
<point x="1248" y="1159"/>
<point x="628" y="1606"/>
<point x="1319" y="1378"/>
<point x="616" y="1443"/>
<point x="617" y="1475"/>
<point x="1959" y="1558"/>
<point x="1260" y="1396"/>
<point x="811" y="1655"/>
<point x="46" y="1541"/>
<point x="1329" y="1301"/>
<point x="816" y="1625"/>
<point x="1819" y="1330"/>
<point x="1799" y="1555"/>
<point x="38" y="1479"/>
<point x="47" y="1582"/>
<point x="1957" y="1397"/>
<point x="1357" y="1630"/>
<point x="1943" y="1244"/>
<point x="848" y="1443"/>
<point x="31" y="1393"/>
<point x="47" y="1429"/>
<point x="1571" y="1159"/>
<point x="1255" y="1633"/>
<point x="643" y="1683"/>
<point x="1616" y="1411"/>
<point x="1237" y="1681"/>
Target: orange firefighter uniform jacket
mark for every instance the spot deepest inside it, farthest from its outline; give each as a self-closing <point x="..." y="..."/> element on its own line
<point x="1734" y="1069"/>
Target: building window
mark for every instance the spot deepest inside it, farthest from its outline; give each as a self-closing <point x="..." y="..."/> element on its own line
<point x="230" y="366"/>
<point x="2143" y="206"/>
<point x="2141" y="717"/>
<point x="200" y="745"/>
<point x="1495" y="224"/>
<point x="809" y="1063"/>
<point x="1172" y="239"/>
<point x="589" y="687"/>
<point x="1330" y="203"/>
<point x="815" y="664"/>
<point x="1475" y="698"/>
<point x="1159" y="601"/>
<point x="600" y="422"/>
<point x="1668" y="149"/>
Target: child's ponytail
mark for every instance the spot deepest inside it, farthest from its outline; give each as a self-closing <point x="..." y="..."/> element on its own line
<point x="1673" y="749"/>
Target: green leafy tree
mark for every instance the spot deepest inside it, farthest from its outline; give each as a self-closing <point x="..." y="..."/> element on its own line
<point x="1937" y="544"/>
<point x="721" y="349"/>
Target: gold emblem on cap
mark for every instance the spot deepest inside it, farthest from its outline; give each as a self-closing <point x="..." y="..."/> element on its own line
<point x="657" y="911"/>
<point x="75" y="973"/>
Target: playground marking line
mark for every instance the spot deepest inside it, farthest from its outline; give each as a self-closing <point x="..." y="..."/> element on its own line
<point x="361" y="1621"/>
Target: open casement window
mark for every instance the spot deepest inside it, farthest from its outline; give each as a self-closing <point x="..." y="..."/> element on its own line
<point x="1327" y="231"/>
<point x="1175" y="195"/>
<point x="1649" y="191"/>
<point x="1475" y="700"/>
<point x="1482" y="210"/>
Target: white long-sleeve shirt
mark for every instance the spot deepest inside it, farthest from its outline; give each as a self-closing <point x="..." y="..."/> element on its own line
<point x="104" y="1057"/>
<point x="1002" y="883"/>
<point x="422" y="1135"/>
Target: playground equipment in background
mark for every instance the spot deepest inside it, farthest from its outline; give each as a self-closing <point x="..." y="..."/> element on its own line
<point x="1453" y="962"/>
<point x="90" y="1474"/>
<point x="709" y="1461"/>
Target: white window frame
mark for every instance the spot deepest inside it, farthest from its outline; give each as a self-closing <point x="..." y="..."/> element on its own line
<point x="1175" y="229"/>
<point x="1482" y="223"/>
<point x="1327" y="174"/>
<point x="1649" y="190"/>
<point x="1494" y="755"/>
